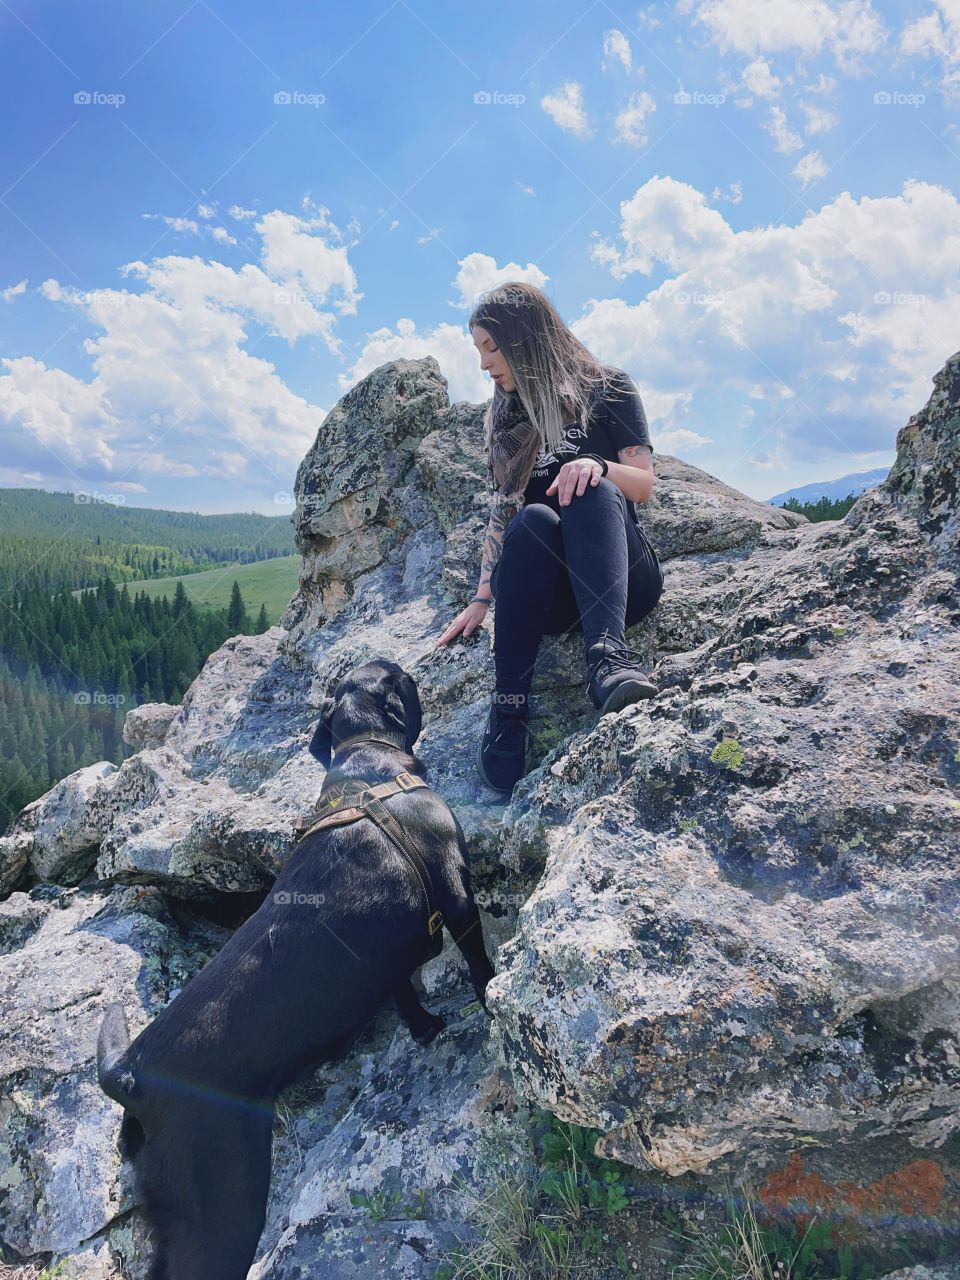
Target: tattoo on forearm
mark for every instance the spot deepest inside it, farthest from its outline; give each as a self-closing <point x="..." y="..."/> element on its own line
<point x="503" y="509"/>
<point x="632" y="451"/>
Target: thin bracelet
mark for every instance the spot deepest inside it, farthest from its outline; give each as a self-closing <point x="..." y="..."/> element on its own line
<point x="482" y="600"/>
<point x="596" y="457"/>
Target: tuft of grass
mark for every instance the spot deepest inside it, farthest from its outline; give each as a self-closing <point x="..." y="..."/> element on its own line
<point x="545" y="1220"/>
<point x="743" y="1249"/>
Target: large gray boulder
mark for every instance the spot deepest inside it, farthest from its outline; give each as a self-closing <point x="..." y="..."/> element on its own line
<point x="747" y="935"/>
<point x="736" y="938"/>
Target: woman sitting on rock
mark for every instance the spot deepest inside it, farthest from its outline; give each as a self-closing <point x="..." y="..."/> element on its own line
<point x="568" y="456"/>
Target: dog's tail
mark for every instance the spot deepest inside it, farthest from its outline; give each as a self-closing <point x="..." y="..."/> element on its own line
<point x="116" y="1080"/>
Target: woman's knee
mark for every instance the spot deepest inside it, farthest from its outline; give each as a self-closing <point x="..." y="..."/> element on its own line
<point x="533" y="525"/>
<point x="604" y="493"/>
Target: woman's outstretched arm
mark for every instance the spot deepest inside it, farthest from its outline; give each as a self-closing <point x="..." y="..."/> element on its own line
<point x="503" y="508"/>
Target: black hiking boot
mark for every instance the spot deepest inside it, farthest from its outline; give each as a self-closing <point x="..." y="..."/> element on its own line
<point x="503" y="747"/>
<point x="614" y="675"/>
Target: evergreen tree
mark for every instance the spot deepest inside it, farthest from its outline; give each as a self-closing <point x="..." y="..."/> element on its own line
<point x="237" y="612"/>
<point x="263" y="622"/>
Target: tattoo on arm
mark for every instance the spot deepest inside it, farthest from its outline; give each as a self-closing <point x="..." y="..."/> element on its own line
<point x="634" y="451"/>
<point x="503" y="509"/>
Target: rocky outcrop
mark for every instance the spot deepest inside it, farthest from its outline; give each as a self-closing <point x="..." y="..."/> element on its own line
<point x="747" y="932"/>
<point x="724" y="921"/>
<point x="147" y="725"/>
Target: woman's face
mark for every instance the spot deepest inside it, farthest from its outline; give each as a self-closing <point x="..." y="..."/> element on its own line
<point x="491" y="359"/>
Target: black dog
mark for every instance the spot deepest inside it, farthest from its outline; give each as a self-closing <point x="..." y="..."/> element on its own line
<point x="343" y="929"/>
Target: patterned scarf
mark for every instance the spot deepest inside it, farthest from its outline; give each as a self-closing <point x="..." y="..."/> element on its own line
<point x="514" y="445"/>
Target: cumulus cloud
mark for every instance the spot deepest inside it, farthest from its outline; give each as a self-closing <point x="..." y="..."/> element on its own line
<point x="176" y="389"/>
<point x="846" y="30"/>
<point x="630" y="125"/>
<point x="758" y="78"/>
<point x="823" y="335"/>
<point x="565" y="109"/>
<point x="13" y="291"/>
<point x="809" y="168"/>
<point x="479" y="272"/>
<point x="819" y="119"/>
<point x="784" y="138"/>
<point x="450" y="345"/>
<point x="616" y="48"/>
<point x="937" y="34"/>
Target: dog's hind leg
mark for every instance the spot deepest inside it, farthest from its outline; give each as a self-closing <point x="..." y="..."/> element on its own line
<point x="422" y="1024"/>
<point x="213" y="1201"/>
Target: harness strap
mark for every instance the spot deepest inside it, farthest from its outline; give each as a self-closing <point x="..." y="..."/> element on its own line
<point x="369" y="804"/>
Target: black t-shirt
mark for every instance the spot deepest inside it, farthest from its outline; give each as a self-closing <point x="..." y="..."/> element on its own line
<point x="616" y="421"/>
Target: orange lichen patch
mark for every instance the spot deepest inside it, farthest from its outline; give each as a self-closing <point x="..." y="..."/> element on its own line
<point x="915" y="1189"/>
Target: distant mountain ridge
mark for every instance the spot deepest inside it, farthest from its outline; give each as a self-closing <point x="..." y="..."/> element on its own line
<point x="857" y="482"/>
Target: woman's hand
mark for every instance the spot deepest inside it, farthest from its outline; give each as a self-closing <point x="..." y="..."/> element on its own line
<point x="467" y="622"/>
<point x="573" y="478"/>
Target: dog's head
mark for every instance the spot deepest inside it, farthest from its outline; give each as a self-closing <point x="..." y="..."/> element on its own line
<point x="375" y="697"/>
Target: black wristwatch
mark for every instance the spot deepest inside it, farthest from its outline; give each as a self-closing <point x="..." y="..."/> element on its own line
<point x="596" y="457"/>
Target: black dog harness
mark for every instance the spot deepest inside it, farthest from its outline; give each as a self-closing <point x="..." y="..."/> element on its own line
<point x="367" y="802"/>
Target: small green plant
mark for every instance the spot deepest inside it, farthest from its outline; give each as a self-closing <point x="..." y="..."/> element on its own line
<point x="378" y="1205"/>
<point x="418" y="1209"/>
<point x="743" y="1249"/>
<point x="728" y="754"/>
<point x="547" y="1221"/>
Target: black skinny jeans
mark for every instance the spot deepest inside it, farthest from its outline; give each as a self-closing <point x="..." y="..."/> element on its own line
<point x="588" y="568"/>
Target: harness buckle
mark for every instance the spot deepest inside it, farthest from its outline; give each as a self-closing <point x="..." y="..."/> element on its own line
<point x="434" y="923"/>
<point x="406" y="781"/>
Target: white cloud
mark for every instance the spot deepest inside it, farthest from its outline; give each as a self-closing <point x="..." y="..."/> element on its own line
<point x="759" y="79"/>
<point x="238" y="212"/>
<point x="809" y="168"/>
<point x="680" y="441"/>
<point x="666" y="221"/>
<point x="831" y="328"/>
<point x="450" y="345"/>
<point x="478" y="272"/>
<point x="616" y="46"/>
<point x="565" y="109"/>
<point x="937" y="33"/>
<point x="784" y="138"/>
<point x="736" y="193"/>
<point x="846" y="29"/>
<point x="176" y="387"/>
<point x="293" y="252"/>
<point x="819" y="119"/>
<point x="631" y="120"/>
<point x="13" y="291"/>
<point x="186" y="226"/>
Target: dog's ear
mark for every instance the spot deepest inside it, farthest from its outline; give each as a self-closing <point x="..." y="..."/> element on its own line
<point x="321" y="744"/>
<point x="413" y="712"/>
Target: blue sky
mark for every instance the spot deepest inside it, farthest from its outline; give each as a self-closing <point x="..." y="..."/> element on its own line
<point x="215" y="219"/>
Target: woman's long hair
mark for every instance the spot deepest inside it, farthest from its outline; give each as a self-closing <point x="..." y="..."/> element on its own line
<point x="558" y="381"/>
